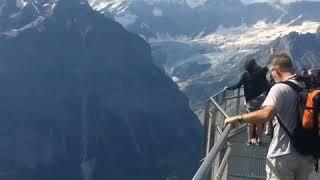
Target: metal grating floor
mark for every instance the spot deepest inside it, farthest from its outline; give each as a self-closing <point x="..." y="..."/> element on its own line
<point x="248" y="162"/>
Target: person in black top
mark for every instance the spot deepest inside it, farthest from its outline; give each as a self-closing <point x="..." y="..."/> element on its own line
<point x="255" y="87"/>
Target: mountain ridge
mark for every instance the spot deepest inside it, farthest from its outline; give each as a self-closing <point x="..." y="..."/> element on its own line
<point x="199" y="47"/>
<point x="177" y="18"/>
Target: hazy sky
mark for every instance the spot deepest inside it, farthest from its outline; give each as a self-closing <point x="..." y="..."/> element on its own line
<point x="283" y="1"/>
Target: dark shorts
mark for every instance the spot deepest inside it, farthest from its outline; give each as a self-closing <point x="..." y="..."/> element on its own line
<point x="255" y="104"/>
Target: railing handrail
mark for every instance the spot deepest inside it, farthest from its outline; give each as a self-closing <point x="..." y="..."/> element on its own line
<point x="206" y="166"/>
<point x="218" y="93"/>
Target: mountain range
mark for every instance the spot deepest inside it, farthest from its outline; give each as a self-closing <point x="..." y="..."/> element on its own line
<point x="192" y="18"/>
<point x="304" y="48"/>
<point x="203" y="46"/>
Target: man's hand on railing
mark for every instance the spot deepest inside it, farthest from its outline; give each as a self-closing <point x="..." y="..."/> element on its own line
<point x="233" y="120"/>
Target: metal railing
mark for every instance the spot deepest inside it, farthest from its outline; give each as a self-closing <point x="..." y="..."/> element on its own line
<point x="215" y="149"/>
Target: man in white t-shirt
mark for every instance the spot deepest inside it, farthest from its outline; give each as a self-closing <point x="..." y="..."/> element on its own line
<point x="283" y="162"/>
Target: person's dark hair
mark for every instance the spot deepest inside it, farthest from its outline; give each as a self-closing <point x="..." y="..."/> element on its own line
<point x="250" y="65"/>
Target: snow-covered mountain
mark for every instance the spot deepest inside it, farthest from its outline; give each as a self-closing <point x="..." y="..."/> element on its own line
<point x="202" y="44"/>
<point x="202" y="47"/>
<point x="203" y="65"/>
<point x="304" y="48"/>
<point x="194" y="17"/>
<point x="176" y="17"/>
<point x="118" y="3"/>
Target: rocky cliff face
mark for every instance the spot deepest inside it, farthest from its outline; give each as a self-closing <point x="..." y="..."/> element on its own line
<point x="304" y="49"/>
<point x="81" y="100"/>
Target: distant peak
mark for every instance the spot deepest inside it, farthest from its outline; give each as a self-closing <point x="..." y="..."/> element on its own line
<point x="101" y="4"/>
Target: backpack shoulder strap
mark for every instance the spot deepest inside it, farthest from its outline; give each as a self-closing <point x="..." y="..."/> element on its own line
<point x="297" y="89"/>
<point x="284" y="128"/>
<point x="293" y="85"/>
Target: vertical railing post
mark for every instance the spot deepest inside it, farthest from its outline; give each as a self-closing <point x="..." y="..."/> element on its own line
<point x="238" y="101"/>
<point x="218" y="120"/>
<point x="206" y="126"/>
<point x="212" y="127"/>
<point x="216" y="163"/>
<point x="223" y="150"/>
<point x="224" y="95"/>
<point x="213" y="135"/>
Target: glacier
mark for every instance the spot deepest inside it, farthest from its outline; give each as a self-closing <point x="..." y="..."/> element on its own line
<point x="202" y="65"/>
<point x="202" y="44"/>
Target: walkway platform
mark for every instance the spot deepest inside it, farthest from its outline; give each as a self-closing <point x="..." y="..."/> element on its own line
<point x="247" y="162"/>
<point x="225" y="155"/>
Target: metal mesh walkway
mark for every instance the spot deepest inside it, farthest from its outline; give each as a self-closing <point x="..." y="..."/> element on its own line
<point x="225" y="155"/>
<point x="247" y="162"/>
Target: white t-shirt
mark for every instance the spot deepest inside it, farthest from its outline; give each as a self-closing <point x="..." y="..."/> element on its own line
<point x="284" y="99"/>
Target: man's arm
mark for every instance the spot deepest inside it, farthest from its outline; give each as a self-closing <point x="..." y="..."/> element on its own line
<point x="267" y="113"/>
<point x="273" y="102"/>
<point x="238" y="84"/>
